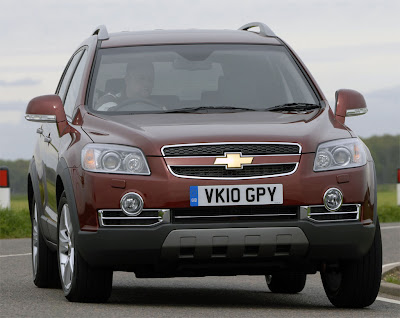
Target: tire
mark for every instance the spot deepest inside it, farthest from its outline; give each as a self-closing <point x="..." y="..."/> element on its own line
<point x="286" y="283"/>
<point x="355" y="284"/>
<point x="80" y="282"/>
<point x="44" y="261"/>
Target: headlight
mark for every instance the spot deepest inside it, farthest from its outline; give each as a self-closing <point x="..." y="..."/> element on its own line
<point x="340" y="154"/>
<point x="114" y="159"/>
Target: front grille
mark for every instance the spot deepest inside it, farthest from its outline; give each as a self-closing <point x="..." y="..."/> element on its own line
<point x="148" y="217"/>
<point x="220" y="149"/>
<point x="347" y="212"/>
<point x="221" y="172"/>
<point x="228" y="214"/>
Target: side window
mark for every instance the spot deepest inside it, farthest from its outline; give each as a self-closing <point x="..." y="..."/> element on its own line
<point x="73" y="89"/>
<point x="63" y="86"/>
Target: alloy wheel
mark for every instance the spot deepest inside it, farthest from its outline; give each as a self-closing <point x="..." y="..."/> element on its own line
<point x="35" y="240"/>
<point x="66" y="248"/>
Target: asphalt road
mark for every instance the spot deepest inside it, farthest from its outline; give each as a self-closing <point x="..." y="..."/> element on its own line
<point x="241" y="296"/>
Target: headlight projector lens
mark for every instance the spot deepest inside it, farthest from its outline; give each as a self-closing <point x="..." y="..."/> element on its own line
<point x="132" y="204"/>
<point x="333" y="199"/>
<point x="111" y="161"/>
<point x="342" y="156"/>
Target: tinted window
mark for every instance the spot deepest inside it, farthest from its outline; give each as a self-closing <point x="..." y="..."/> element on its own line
<point x="63" y="86"/>
<point x="73" y="89"/>
<point x="181" y="76"/>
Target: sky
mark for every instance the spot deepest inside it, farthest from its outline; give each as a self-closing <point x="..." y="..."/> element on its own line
<point x="345" y="44"/>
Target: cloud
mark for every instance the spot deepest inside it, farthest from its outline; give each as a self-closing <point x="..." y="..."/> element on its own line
<point x="11" y="117"/>
<point x="13" y="106"/>
<point x="21" y="82"/>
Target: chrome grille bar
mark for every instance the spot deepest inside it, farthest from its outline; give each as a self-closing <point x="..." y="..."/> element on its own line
<point x="347" y="212"/>
<point x="147" y="218"/>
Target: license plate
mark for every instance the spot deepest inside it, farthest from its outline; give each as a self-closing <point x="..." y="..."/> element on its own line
<point x="249" y="194"/>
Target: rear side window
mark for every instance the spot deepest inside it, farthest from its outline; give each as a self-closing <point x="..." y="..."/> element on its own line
<point x="73" y="89"/>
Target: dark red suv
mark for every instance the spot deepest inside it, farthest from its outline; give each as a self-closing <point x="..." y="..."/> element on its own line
<point x="195" y="153"/>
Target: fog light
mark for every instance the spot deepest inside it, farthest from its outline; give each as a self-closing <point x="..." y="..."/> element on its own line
<point x="132" y="204"/>
<point x="333" y="199"/>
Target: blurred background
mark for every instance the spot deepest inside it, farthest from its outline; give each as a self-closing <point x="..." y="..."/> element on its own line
<point x="345" y="44"/>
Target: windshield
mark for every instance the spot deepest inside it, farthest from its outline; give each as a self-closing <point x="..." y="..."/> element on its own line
<point x="200" y="76"/>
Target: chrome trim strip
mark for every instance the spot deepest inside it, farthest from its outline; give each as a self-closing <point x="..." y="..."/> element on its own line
<point x="356" y="112"/>
<point x="41" y="118"/>
<point x="233" y="143"/>
<point x="132" y="218"/>
<point x="308" y="215"/>
<point x="235" y="178"/>
<point x="216" y="156"/>
<point x="334" y="213"/>
<point x="228" y="216"/>
<point x="120" y="210"/>
<point x="164" y="217"/>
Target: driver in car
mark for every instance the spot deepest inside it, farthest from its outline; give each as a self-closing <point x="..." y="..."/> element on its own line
<point x="139" y="82"/>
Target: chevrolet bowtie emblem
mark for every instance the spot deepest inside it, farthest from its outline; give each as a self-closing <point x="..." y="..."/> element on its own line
<point x="233" y="160"/>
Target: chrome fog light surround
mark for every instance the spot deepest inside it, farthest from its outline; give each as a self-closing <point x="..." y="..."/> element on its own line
<point x="333" y="199"/>
<point x="132" y="204"/>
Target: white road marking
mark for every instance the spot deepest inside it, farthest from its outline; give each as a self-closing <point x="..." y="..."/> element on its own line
<point x="387" y="300"/>
<point x="16" y="255"/>
<point x="390" y="227"/>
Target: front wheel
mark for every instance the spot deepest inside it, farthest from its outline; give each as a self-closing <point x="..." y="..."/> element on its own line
<point x="80" y="281"/>
<point x="355" y="284"/>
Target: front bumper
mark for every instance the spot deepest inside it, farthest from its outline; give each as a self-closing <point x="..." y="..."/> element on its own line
<point x="289" y="241"/>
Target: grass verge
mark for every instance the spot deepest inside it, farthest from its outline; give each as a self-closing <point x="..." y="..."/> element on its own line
<point x="15" y="222"/>
<point x="393" y="276"/>
<point x="388" y="210"/>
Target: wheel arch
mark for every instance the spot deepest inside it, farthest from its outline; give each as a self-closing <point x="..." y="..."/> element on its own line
<point x="33" y="188"/>
<point x="30" y="193"/>
<point x="64" y="184"/>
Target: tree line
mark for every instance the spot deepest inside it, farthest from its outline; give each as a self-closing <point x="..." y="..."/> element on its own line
<point x="384" y="149"/>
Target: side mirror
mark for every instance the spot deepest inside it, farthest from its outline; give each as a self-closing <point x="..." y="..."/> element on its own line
<point x="48" y="109"/>
<point x="349" y="103"/>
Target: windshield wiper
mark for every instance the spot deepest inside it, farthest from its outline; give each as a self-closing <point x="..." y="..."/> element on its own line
<point x="207" y="108"/>
<point x="293" y="107"/>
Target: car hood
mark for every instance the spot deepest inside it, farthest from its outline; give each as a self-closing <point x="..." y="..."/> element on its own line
<point x="151" y="132"/>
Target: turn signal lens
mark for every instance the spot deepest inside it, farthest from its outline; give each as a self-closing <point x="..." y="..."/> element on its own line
<point x="357" y="154"/>
<point x="89" y="161"/>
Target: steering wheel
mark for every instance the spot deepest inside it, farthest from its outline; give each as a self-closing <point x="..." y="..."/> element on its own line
<point x="131" y="101"/>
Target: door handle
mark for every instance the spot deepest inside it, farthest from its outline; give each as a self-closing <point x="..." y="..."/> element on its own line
<point x="47" y="139"/>
<point x="39" y="131"/>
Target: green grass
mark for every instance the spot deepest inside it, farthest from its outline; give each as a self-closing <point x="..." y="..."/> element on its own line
<point x="15" y="223"/>
<point x="388" y="210"/>
<point x="393" y="277"/>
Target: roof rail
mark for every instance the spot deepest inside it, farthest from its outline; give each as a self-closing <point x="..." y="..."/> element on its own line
<point x="264" y="29"/>
<point x="101" y="32"/>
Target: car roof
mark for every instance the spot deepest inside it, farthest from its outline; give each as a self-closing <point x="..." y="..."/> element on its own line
<point x="160" y="37"/>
